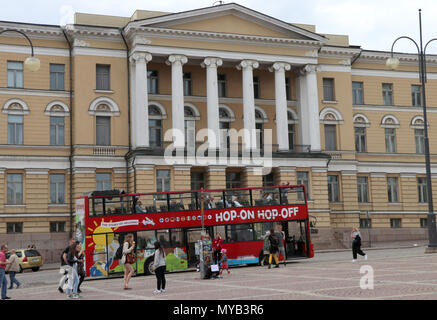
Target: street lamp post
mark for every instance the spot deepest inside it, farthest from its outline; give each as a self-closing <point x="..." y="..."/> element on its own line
<point x="31" y="63"/>
<point x="394" y="63"/>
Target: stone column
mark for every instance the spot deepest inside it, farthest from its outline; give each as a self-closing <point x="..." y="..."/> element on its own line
<point x="248" y="103"/>
<point x="139" y="103"/>
<point x="177" y="99"/>
<point x="212" y="101"/>
<point x="281" y="105"/>
<point x="308" y="105"/>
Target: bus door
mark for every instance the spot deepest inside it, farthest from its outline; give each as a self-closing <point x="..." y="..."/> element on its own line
<point x="296" y="238"/>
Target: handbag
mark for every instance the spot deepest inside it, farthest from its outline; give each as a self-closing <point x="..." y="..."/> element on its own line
<point x="214" y="268"/>
<point x="131" y="258"/>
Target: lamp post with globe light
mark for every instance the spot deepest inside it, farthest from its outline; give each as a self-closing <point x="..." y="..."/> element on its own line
<point x="393" y="63"/>
<point x="31" y="63"/>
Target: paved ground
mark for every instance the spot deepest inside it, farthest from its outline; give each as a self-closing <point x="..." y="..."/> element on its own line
<point x="405" y="273"/>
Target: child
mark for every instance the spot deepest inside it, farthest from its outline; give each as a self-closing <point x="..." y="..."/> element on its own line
<point x="224" y="262"/>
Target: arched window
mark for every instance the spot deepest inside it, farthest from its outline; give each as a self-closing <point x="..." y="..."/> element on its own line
<point x="361" y="122"/>
<point x="155" y="126"/>
<point x="15" y="109"/>
<point x="330" y="118"/>
<point x="418" y="124"/>
<point x="191" y="114"/>
<point x="390" y="123"/>
<point x="291" y="119"/>
<point x="226" y="116"/>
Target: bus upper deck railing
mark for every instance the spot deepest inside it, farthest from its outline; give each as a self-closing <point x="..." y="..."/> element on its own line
<point x="117" y="204"/>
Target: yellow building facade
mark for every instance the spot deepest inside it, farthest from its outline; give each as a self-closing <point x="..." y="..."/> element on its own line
<point x="96" y="115"/>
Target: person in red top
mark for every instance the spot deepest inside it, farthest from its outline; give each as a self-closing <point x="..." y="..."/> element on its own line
<point x="217" y="248"/>
<point x="3" y="263"/>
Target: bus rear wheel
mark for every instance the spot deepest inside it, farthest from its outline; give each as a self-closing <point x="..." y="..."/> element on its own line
<point x="148" y="266"/>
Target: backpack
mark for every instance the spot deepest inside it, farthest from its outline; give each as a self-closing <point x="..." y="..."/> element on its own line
<point x="274" y="241"/>
<point x="119" y="253"/>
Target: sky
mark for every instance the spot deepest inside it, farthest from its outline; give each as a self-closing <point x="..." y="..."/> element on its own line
<point x="371" y="24"/>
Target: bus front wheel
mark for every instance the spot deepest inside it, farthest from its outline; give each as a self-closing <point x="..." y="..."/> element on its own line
<point x="148" y="266"/>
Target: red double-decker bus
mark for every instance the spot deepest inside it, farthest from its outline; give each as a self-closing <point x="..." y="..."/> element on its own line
<point x="176" y="219"/>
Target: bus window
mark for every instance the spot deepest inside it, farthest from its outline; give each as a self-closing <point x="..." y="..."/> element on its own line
<point x="97" y="206"/>
<point x="146" y="239"/>
<point x="261" y="229"/>
<point x="240" y="232"/>
<point x="163" y="238"/>
<point x="145" y="204"/>
<point x="177" y="201"/>
<point x="177" y="238"/>
<point x="221" y="230"/>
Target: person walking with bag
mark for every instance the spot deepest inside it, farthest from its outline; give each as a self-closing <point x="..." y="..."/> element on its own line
<point x="80" y="266"/>
<point x="356" y="245"/>
<point x="274" y="244"/>
<point x="128" y="258"/>
<point x="3" y="264"/>
<point x="13" y="268"/>
<point x="159" y="268"/>
<point x="217" y="248"/>
<point x="73" y="277"/>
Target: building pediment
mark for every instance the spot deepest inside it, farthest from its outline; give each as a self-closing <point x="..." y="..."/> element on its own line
<point x="228" y="19"/>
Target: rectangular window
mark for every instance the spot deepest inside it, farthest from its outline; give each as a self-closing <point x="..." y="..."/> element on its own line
<point x="197" y="180"/>
<point x="15" y="188"/>
<point x="392" y="190"/>
<point x="387" y="94"/>
<point x="103" y="77"/>
<point x="365" y="223"/>
<point x="423" y="222"/>
<point x="15" y="129"/>
<point x="288" y="88"/>
<point x="14" y="227"/>
<point x="269" y="180"/>
<point x="330" y="137"/>
<point x="57" y="131"/>
<point x="333" y="188"/>
<point x="303" y="178"/>
<point x="328" y="89"/>
<point x="240" y="233"/>
<point x="256" y="88"/>
<point x="416" y="97"/>
<point x="233" y="180"/>
<point x="57" y="188"/>
<point x="103" y="181"/>
<point x="152" y="82"/>
<point x="360" y="139"/>
<point x="395" y="223"/>
<point x="422" y="190"/>
<point x="221" y="82"/>
<point x="103" y="131"/>
<point x="363" y="189"/>
<point x="15" y="74"/>
<point x="187" y="84"/>
<point x="57" y="226"/>
<point x="357" y="93"/>
<point x="390" y="140"/>
<point x="419" y="138"/>
<point x="163" y="181"/>
<point x="57" y="72"/>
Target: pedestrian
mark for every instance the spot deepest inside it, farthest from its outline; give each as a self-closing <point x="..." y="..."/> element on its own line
<point x="73" y="277"/>
<point x="13" y="268"/>
<point x="217" y="248"/>
<point x="356" y="244"/>
<point x="128" y="258"/>
<point x="159" y="268"/>
<point x="64" y="263"/>
<point x="281" y="236"/>
<point x="3" y="264"/>
<point x="274" y="244"/>
<point x="224" y="262"/>
<point x="80" y="266"/>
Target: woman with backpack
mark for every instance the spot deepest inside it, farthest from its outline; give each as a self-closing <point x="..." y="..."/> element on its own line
<point x="274" y="244"/>
<point x="159" y="267"/>
<point x="128" y="258"/>
<point x="356" y="244"/>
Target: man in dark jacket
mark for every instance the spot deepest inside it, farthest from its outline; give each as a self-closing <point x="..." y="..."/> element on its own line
<point x="63" y="263"/>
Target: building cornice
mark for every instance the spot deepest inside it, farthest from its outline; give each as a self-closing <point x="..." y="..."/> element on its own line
<point x="35" y="31"/>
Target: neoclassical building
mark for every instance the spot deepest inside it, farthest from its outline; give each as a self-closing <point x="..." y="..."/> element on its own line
<point x="98" y="114"/>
